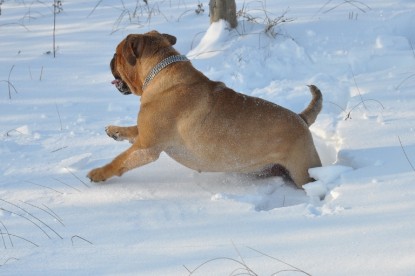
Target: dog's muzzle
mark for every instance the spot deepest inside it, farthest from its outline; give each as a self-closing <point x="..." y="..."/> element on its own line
<point x="121" y="86"/>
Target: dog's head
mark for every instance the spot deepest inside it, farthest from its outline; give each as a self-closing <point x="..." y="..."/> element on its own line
<point x="134" y="58"/>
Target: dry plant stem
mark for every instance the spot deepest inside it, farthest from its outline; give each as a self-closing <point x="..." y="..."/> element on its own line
<point x="43" y="186"/>
<point x="74" y="175"/>
<point x="54" y="29"/>
<point x="20" y="24"/>
<point x="59" y="116"/>
<point x="31" y="221"/>
<point x="357" y="87"/>
<point x="357" y="4"/>
<point x="70" y="186"/>
<point x="281" y="261"/>
<point x="9" y="259"/>
<point x="270" y="23"/>
<point x="58" y="149"/>
<point x="406" y="156"/>
<point x="349" y="113"/>
<point x="78" y="237"/>
<point x="57" y="8"/>
<point x="52" y="211"/>
<point x="4" y="243"/>
<point x="30" y="73"/>
<point x="9" y="84"/>
<point x="8" y="79"/>
<point x="46" y="211"/>
<point x="362" y="102"/>
<point x="247" y="269"/>
<point x="412" y="47"/>
<point x="19" y="237"/>
<point x="36" y="218"/>
<point x="41" y="74"/>
<point x="242" y="260"/>
<point x="402" y="82"/>
<point x="7" y="231"/>
<point x="96" y="6"/>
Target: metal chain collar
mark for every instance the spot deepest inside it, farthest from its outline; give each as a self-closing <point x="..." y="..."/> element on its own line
<point x="161" y="65"/>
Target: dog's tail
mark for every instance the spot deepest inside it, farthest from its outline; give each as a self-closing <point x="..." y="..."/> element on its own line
<point x="309" y="114"/>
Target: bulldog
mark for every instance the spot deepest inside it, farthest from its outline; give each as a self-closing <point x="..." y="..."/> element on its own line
<point x="201" y="123"/>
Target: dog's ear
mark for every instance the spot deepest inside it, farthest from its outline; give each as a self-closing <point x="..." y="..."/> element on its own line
<point x="170" y="38"/>
<point x="133" y="48"/>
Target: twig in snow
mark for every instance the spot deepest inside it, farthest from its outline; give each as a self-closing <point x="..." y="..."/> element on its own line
<point x="412" y="47"/>
<point x="244" y="267"/>
<point x="57" y="8"/>
<point x="78" y="237"/>
<point x="9" y="259"/>
<point x="269" y="22"/>
<point x="362" y="101"/>
<point x="52" y="211"/>
<point x="59" y="116"/>
<point x="43" y="186"/>
<point x="242" y="260"/>
<point x="60" y="181"/>
<point x="8" y="133"/>
<point x="53" y="215"/>
<point x="404" y="80"/>
<point x="19" y="237"/>
<point x="20" y="24"/>
<point x="281" y="261"/>
<point x="4" y="243"/>
<point x="96" y="6"/>
<point x="357" y="4"/>
<point x="349" y="113"/>
<point x="41" y="73"/>
<point x="58" y="149"/>
<point x="182" y="14"/>
<point x="74" y="175"/>
<point x="31" y="221"/>
<point x="9" y="83"/>
<point x="357" y="87"/>
<point x="30" y="73"/>
<point x="36" y="218"/>
<point x="8" y="234"/>
<point x="406" y="156"/>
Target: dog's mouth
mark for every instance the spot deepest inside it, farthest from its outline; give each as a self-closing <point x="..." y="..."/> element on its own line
<point x="121" y="86"/>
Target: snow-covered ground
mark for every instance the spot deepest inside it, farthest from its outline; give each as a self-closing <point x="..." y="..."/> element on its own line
<point x="164" y="219"/>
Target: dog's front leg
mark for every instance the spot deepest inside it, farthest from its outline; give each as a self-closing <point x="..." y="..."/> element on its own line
<point x="122" y="133"/>
<point x="132" y="158"/>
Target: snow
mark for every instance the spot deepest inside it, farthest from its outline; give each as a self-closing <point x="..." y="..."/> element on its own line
<point x="164" y="219"/>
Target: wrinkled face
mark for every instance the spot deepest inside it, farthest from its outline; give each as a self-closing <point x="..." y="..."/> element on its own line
<point x="126" y="65"/>
<point x="118" y="82"/>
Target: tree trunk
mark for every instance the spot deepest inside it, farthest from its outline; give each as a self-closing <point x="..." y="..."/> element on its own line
<point x="223" y="9"/>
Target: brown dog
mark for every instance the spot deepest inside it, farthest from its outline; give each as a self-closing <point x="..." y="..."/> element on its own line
<point x="200" y="123"/>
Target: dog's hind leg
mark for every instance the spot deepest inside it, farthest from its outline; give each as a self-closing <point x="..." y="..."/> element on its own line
<point x="301" y="159"/>
<point x="122" y="133"/>
<point x="131" y="158"/>
<point x="299" y="170"/>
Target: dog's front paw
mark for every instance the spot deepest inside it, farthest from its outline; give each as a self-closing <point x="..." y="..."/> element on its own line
<point x="97" y="175"/>
<point x="113" y="132"/>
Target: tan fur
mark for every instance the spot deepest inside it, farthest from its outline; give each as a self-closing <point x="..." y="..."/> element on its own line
<point x="202" y="124"/>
